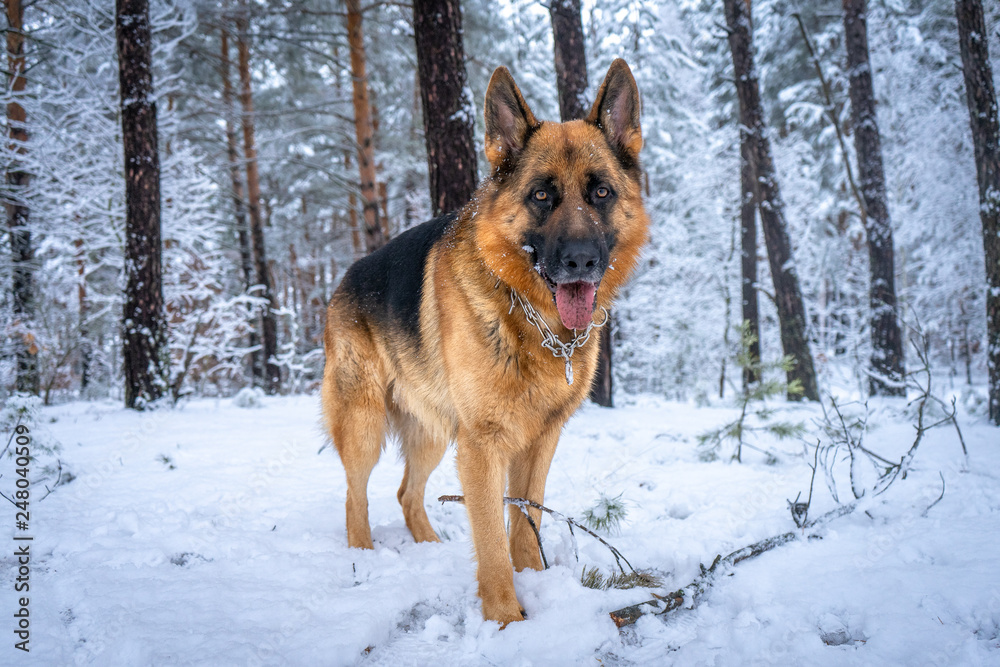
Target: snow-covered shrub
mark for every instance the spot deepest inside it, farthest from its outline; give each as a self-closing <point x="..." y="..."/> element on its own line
<point x="249" y="397"/>
<point x="23" y="410"/>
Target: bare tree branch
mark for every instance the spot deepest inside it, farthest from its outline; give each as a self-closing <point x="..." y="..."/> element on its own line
<point x="523" y="503"/>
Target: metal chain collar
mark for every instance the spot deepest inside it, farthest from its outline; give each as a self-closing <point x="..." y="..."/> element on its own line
<point x="550" y="341"/>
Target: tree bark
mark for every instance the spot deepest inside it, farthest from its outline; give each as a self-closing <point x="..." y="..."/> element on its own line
<point x="352" y="215"/>
<point x="145" y="352"/>
<point x="788" y="297"/>
<point x="352" y="199"/>
<point x="239" y="205"/>
<point x="449" y="117"/>
<point x="364" y="132"/>
<point x="602" y="388"/>
<point x="22" y="253"/>
<point x="269" y="330"/>
<point x="748" y="260"/>
<point x="887" y="343"/>
<point x="982" y="101"/>
<point x="383" y="202"/>
<point x="82" y="314"/>
<point x="570" y="58"/>
<point x="748" y="251"/>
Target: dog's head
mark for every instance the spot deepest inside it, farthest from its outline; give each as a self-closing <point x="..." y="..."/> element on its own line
<point x="564" y="219"/>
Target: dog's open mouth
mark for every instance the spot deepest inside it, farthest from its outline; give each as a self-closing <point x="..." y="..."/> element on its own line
<point x="575" y="302"/>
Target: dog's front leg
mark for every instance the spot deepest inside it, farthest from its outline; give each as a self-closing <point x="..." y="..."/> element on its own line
<point x="526" y="479"/>
<point x="482" y="464"/>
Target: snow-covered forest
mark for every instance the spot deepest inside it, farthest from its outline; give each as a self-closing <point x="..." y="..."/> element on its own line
<point x="679" y="321"/>
<point x="164" y="516"/>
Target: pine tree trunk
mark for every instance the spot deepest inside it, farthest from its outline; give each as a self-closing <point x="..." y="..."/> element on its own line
<point x="788" y="297"/>
<point x="982" y="100"/>
<point x="239" y="206"/>
<point x="449" y="117"/>
<point x="887" y="342"/>
<point x="233" y="156"/>
<point x="364" y="132"/>
<point x="411" y="191"/>
<point x="352" y="215"/>
<point x="383" y="202"/>
<point x="602" y="389"/>
<point x="570" y="58"/>
<point x="83" y="329"/>
<point x="748" y="260"/>
<point x="748" y="250"/>
<point x="269" y="330"/>
<point x="145" y="352"/>
<point x="352" y="199"/>
<point x="22" y="253"/>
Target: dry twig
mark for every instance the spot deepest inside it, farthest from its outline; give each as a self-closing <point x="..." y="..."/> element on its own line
<point x="524" y="503"/>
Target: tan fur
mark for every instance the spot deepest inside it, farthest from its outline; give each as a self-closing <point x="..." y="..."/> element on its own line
<point x="480" y="377"/>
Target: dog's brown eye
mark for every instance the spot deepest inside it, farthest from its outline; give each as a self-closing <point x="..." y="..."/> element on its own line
<point x="602" y="192"/>
<point x="541" y="195"/>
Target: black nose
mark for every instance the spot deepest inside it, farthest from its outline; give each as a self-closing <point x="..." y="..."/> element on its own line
<point x="579" y="259"/>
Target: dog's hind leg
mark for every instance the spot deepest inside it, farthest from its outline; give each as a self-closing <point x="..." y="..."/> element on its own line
<point x="358" y="435"/>
<point x="354" y="405"/>
<point x="363" y="431"/>
<point x="422" y="452"/>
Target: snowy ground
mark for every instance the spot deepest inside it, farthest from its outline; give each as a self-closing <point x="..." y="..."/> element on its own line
<point x="214" y="535"/>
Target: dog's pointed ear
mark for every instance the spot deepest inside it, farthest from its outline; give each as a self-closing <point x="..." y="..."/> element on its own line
<point x="616" y="111"/>
<point x="509" y="121"/>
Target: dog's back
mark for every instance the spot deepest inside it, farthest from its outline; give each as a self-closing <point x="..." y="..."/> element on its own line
<point x="386" y="286"/>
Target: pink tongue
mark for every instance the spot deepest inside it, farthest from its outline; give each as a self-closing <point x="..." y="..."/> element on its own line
<point x="575" y="302"/>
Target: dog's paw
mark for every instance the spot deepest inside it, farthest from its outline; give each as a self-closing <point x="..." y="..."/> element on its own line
<point x="504" y="614"/>
<point x="363" y="542"/>
<point x="424" y="535"/>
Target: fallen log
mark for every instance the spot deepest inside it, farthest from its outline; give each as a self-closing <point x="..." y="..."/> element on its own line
<point x="689" y="595"/>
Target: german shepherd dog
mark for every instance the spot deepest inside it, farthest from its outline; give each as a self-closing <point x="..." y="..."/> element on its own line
<point x="482" y="327"/>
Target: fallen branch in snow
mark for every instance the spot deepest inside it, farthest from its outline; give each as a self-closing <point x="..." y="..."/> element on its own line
<point x="523" y="504"/>
<point x="849" y="434"/>
<point x="843" y="434"/>
<point x="689" y="595"/>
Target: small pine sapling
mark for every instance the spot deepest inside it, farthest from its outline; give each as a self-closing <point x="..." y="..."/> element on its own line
<point x="606" y="515"/>
<point x="24" y="411"/>
<point x="751" y="402"/>
<point x="592" y="577"/>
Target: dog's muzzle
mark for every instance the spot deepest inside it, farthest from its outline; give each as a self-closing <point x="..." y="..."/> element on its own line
<point x="577" y="268"/>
